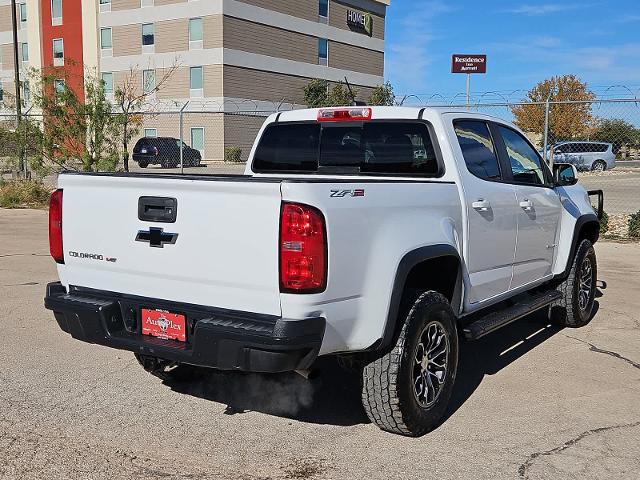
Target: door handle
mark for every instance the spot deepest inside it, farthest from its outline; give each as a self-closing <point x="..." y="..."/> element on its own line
<point x="481" y="205"/>
<point x="526" y="205"/>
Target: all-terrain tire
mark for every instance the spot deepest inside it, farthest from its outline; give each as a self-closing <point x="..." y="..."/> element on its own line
<point x="569" y="311"/>
<point x="390" y="393"/>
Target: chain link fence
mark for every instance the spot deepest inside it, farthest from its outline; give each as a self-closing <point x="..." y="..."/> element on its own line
<point x="601" y="138"/>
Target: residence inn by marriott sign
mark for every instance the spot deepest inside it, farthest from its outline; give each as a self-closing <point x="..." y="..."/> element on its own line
<point x="469" y="64"/>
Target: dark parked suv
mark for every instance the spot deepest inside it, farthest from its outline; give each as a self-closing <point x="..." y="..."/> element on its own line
<point x="164" y="151"/>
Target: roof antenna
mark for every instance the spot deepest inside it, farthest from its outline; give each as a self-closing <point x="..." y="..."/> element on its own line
<point x="354" y="102"/>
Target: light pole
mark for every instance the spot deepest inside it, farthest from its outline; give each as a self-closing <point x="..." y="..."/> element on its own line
<point x="16" y="72"/>
<point x="16" y="65"/>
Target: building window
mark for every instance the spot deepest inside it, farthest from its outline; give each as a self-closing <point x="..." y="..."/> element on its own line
<point x="58" y="52"/>
<point x="197" y="139"/>
<point x="106" y="42"/>
<point x="323" y="9"/>
<point x="56" y="12"/>
<point x="148" y="81"/>
<point x="107" y="82"/>
<point x="196" y="81"/>
<point x="105" y="5"/>
<point x="58" y="85"/>
<point x="151" y="132"/>
<point x="323" y="51"/>
<point x="25" y="51"/>
<point x="23" y="12"/>
<point x="196" y="33"/>
<point x="148" y="34"/>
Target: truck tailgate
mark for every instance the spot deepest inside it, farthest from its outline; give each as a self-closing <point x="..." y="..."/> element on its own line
<point x="225" y="253"/>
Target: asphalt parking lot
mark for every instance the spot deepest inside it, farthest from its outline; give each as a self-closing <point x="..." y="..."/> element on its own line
<point x="621" y="190"/>
<point x="532" y="401"/>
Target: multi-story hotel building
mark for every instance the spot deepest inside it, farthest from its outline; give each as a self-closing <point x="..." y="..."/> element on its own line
<point x="226" y="54"/>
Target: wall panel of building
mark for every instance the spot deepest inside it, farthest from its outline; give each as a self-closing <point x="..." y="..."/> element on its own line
<point x="127" y="40"/>
<point x="307" y="9"/>
<point x="349" y="57"/>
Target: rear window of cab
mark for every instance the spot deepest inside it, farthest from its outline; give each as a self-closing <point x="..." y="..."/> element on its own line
<point x="392" y="147"/>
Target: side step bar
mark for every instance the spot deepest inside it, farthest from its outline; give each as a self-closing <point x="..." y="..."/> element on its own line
<point x="500" y="318"/>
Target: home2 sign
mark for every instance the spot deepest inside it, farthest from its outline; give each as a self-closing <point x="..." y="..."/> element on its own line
<point x="360" y="21"/>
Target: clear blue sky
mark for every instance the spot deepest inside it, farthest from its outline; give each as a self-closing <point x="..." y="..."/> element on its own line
<point x="526" y="41"/>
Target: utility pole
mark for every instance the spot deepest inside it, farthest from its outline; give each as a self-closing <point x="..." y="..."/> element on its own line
<point x="16" y="72"/>
<point x="16" y="64"/>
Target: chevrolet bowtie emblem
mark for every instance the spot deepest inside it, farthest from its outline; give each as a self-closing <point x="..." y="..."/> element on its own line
<point x="156" y="237"/>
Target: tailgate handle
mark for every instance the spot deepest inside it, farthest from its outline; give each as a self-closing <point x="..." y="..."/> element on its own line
<point x="157" y="209"/>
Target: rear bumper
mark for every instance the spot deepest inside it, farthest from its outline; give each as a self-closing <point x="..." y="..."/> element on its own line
<point x="217" y="338"/>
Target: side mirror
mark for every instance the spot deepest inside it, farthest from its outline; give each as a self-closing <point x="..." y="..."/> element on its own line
<point x="565" y="174"/>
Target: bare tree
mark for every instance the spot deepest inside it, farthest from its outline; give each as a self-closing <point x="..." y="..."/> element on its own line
<point x="131" y="95"/>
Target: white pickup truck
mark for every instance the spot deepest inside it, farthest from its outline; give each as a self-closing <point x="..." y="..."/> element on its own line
<point x="380" y="234"/>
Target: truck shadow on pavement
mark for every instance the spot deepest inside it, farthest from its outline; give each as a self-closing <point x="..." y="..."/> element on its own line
<point x="332" y="394"/>
<point x="494" y="352"/>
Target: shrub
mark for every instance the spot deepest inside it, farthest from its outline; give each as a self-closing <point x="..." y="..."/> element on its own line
<point x="233" y="154"/>
<point x="604" y="223"/>
<point x="23" y="193"/>
<point x="634" y="225"/>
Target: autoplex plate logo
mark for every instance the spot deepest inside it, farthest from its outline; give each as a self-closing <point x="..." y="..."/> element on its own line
<point x="163" y="324"/>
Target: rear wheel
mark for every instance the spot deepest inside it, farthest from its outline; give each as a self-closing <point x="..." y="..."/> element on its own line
<point x="599" y="166"/>
<point x="407" y="390"/>
<point x="578" y="290"/>
<point x="143" y="163"/>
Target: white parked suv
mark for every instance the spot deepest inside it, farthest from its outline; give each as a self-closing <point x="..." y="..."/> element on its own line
<point x="338" y="240"/>
<point x="597" y="156"/>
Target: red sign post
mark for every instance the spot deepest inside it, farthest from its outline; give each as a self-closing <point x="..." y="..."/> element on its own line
<point x="468" y="64"/>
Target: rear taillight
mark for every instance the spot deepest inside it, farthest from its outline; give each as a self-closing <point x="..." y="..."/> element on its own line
<point x="303" y="249"/>
<point x="55" y="226"/>
<point x="155" y="151"/>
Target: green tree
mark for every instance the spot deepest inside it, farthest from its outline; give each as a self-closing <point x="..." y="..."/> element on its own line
<point x="75" y="128"/>
<point x="383" y="95"/>
<point x="616" y="131"/>
<point x="340" y="95"/>
<point x="315" y="93"/>
<point x="318" y="93"/>
<point x="566" y="120"/>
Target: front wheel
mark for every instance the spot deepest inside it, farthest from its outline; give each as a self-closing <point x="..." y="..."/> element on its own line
<point x="407" y="390"/>
<point x="578" y="290"/>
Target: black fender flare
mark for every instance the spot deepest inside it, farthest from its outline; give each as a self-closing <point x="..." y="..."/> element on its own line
<point x="580" y="223"/>
<point x="406" y="264"/>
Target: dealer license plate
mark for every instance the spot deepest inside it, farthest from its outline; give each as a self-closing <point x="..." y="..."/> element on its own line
<point x="163" y="324"/>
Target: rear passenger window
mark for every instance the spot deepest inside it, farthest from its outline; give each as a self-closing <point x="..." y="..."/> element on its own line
<point x="394" y="148"/>
<point x="478" y="149"/>
<point x="292" y="148"/>
<point x="526" y="164"/>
